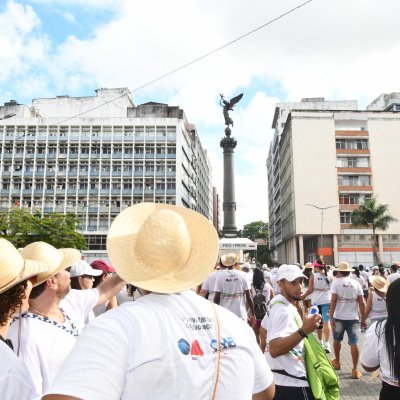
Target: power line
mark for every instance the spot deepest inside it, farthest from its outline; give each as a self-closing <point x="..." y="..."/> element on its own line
<point x="188" y="63"/>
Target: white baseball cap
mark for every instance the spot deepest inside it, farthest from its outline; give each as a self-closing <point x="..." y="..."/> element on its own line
<point x="81" y="267"/>
<point x="290" y="272"/>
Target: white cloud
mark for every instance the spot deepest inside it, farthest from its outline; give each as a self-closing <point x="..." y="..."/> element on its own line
<point x="339" y="50"/>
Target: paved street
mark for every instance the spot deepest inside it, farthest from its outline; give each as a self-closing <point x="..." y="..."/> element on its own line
<point x="366" y="388"/>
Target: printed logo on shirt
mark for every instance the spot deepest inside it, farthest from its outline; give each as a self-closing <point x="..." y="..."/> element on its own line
<point x="226" y="343"/>
<point x="194" y="350"/>
<point x="198" y="323"/>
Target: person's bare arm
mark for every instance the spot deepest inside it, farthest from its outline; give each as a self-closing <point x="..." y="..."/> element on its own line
<point x="310" y="288"/>
<point x="263" y="339"/>
<point x="109" y="287"/>
<point x="59" y="397"/>
<point x="332" y="308"/>
<point x="267" y="394"/>
<point x="369" y="305"/>
<point x="203" y="293"/>
<point x="250" y="306"/>
<point x="281" y="346"/>
<point x="361" y="307"/>
<point x="112" y="303"/>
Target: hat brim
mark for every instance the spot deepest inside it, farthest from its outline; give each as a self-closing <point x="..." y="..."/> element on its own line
<point x="69" y="256"/>
<point x="373" y="281"/>
<point x="122" y="252"/>
<point x="341" y="269"/>
<point x="31" y="269"/>
<point x="292" y="277"/>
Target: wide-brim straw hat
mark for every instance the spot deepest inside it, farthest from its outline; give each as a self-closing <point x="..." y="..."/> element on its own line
<point x="14" y="268"/>
<point x="378" y="282"/>
<point x="228" y="260"/>
<point x="57" y="259"/>
<point x="162" y="248"/>
<point x="344" y="267"/>
<point x="309" y="265"/>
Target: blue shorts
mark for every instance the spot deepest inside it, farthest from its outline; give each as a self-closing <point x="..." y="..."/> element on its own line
<point x="351" y="326"/>
<point x="324" y="311"/>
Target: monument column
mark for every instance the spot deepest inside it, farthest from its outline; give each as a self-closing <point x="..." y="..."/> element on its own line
<point x="228" y="143"/>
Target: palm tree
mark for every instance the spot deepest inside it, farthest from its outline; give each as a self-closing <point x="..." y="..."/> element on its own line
<point x="372" y="215"/>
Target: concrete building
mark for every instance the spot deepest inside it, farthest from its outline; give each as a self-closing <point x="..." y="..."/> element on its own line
<point x="324" y="160"/>
<point x="95" y="164"/>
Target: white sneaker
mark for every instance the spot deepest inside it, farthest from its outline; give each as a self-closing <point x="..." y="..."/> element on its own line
<point x="327" y="348"/>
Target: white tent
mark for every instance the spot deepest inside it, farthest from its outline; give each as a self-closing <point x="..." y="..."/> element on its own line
<point x="237" y="244"/>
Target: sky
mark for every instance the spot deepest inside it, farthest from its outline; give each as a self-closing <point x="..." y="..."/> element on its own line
<point x="340" y="50"/>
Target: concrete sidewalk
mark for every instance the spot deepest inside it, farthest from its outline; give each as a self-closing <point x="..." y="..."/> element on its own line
<point x="366" y="388"/>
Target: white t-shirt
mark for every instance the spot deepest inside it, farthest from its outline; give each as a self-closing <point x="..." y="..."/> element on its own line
<point x="321" y="293"/>
<point x="374" y="352"/>
<point x="392" y="277"/>
<point x="45" y="344"/>
<point x="378" y="308"/>
<point x="232" y="285"/>
<point x="281" y="323"/>
<point x="15" y="382"/>
<point x="209" y="284"/>
<point x="347" y="290"/>
<point x="162" y="347"/>
<point x="365" y="276"/>
<point x="275" y="283"/>
<point x="360" y="280"/>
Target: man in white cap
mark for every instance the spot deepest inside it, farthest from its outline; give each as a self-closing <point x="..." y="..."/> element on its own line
<point x="233" y="290"/>
<point x="170" y="343"/>
<point x="285" y="330"/>
<point x="346" y="307"/>
<point x="16" y="277"/>
<point x="44" y="335"/>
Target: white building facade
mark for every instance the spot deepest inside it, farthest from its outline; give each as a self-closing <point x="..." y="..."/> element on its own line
<point x="96" y="164"/>
<point x="325" y="159"/>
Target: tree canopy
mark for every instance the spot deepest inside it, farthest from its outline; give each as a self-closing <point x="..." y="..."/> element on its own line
<point x="259" y="230"/>
<point x="371" y="214"/>
<point x="21" y="228"/>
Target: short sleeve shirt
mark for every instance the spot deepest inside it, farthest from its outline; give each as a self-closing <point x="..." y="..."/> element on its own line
<point x="347" y="291"/>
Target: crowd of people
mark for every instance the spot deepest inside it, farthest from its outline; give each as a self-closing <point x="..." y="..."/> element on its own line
<point x="165" y="321"/>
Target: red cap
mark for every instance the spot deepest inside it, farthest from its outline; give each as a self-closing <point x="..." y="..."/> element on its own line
<point x="102" y="265"/>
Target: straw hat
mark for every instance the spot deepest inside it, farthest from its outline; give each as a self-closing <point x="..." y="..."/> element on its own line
<point x="378" y="282"/>
<point x="14" y="269"/>
<point x="344" y="267"/>
<point x="229" y="259"/>
<point x="57" y="259"/>
<point x="308" y="265"/>
<point x="162" y="248"/>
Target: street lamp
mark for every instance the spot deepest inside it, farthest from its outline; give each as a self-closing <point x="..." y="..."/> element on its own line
<point x="322" y="209"/>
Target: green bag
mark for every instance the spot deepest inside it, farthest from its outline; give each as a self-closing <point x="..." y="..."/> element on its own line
<point x="321" y="376"/>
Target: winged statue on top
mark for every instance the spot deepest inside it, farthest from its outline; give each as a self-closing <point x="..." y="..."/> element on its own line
<point x="228" y="106"/>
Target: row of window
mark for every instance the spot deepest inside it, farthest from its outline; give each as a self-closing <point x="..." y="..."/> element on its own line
<point x="84" y="166"/>
<point x="353" y="198"/>
<point x="77" y="149"/>
<point x="354" y="180"/>
<point x="352" y="162"/>
<point x="352" y="144"/>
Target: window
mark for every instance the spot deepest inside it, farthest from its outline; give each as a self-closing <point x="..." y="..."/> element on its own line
<point x="354" y="180"/>
<point x="348" y="199"/>
<point x="354" y="144"/>
<point x="345" y="218"/>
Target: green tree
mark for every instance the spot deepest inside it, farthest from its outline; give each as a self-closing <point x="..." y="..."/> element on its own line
<point x="371" y="214"/>
<point x="259" y="230"/>
<point x="21" y="228"/>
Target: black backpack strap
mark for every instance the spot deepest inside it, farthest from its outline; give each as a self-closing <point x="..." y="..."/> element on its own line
<point x="283" y="372"/>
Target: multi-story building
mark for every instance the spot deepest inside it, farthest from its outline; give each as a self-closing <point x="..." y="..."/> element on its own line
<point x="97" y="155"/>
<point x="324" y="160"/>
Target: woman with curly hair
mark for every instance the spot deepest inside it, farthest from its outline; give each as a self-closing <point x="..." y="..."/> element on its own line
<point x="15" y="287"/>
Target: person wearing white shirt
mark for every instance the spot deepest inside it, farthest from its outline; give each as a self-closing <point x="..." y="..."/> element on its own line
<point x="16" y="277"/>
<point x="232" y="289"/>
<point x="46" y="333"/>
<point x="170" y="343"/>
<point x="383" y="349"/>
<point x="284" y="349"/>
<point x="376" y="302"/>
<point x="347" y="303"/>
<point x="207" y="288"/>
<point x="394" y="273"/>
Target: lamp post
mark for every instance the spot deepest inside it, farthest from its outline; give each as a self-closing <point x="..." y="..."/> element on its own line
<point x="322" y="209"/>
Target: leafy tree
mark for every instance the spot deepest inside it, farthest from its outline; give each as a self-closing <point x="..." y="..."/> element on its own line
<point x="372" y="215"/>
<point x="21" y="228"/>
<point x="259" y="230"/>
